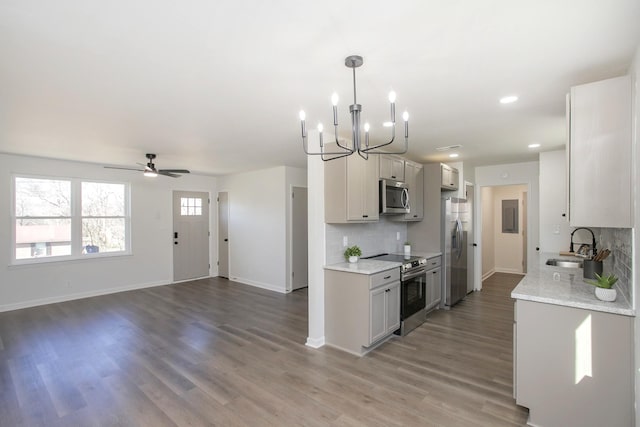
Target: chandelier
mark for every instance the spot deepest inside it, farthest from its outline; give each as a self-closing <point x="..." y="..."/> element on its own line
<point x="356" y="145"/>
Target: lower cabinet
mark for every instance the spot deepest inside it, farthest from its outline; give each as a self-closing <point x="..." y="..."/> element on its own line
<point x="384" y="312"/>
<point x="434" y="283"/>
<point x="361" y="310"/>
<point x="573" y="367"/>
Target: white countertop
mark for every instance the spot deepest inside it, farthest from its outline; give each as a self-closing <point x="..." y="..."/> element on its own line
<point x="569" y="290"/>
<point x="364" y="266"/>
<point x="373" y="266"/>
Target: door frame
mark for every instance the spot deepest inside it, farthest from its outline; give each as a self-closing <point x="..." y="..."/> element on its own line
<point x="289" y="280"/>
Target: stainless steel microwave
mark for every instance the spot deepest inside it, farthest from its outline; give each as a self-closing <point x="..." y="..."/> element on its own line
<point x="394" y="197"/>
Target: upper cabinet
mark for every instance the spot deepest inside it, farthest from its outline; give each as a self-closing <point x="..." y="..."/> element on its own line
<point x="351" y="190"/>
<point x="599" y="153"/>
<point x="392" y="167"/>
<point x="449" y="177"/>
<point x="414" y="178"/>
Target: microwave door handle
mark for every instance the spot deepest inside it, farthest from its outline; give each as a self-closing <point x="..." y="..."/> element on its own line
<point x="405" y="198"/>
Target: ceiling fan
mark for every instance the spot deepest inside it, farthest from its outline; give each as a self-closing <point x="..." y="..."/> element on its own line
<point x="150" y="169"/>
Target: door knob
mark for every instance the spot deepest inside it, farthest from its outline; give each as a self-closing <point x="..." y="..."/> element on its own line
<point x="226" y="240"/>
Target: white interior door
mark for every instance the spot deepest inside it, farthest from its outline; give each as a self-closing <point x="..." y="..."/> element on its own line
<point x="299" y="240"/>
<point x="190" y="235"/>
<point x="223" y="234"/>
<point x="471" y="246"/>
<point x="524" y="232"/>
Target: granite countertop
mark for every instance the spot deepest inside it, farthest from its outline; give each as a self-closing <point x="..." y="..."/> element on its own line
<point x="567" y="288"/>
<point x="364" y="266"/>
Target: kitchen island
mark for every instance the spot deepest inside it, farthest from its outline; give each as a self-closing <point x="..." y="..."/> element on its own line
<point x="573" y="355"/>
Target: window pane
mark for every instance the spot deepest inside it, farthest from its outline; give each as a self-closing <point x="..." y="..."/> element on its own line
<point x="101" y="199"/>
<point x="43" y="197"/>
<point x="38" y="238"/>
<point x="103" y="235"/>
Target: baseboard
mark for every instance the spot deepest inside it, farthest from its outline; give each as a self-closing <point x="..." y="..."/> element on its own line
<point x="488" y="274"/>
<point x="315" y="342"/>
<point x="261" y="285"/>
<point x="80" y="295"/>
<point x="508" y="270"/>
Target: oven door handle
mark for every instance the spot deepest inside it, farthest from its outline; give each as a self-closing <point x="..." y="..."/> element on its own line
<point x="413" y="275"/>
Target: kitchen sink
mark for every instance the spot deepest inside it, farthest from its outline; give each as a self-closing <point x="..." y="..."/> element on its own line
<point x="564" y="263"/>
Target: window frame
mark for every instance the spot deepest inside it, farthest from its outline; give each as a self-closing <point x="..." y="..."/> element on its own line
<point x="76" y="221"/>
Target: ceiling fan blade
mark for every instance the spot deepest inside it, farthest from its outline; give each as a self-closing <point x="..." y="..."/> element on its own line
<point x="126" y="169"/>
<point x="165" y="173"/>
<point x="175" y="170"/>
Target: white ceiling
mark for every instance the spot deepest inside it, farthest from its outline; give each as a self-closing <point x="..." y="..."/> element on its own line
<point x="216" y="86"/>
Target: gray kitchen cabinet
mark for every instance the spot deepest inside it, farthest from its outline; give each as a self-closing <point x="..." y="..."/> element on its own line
<point x="392" y="167"/>
<point x="414" y="178"/>
<point x="449" y="177"/>
<point x="361" y="310"/>
<point x="384" y="312"/>
<point x="351" y="190"/>
<point x="573" y="366"/>
<point x="434" y="282"/>
<point x="600" y="154"/>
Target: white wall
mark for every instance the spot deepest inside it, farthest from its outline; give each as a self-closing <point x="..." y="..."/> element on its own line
<point x="507" y="247"/>
<point x="151" y="237"/>
<point x="488" y="233"/>
<point x="635" y="80"/>
<point x="259" y="208"/>
<point x="510" y="174"/>
<point x="554" y="228"/>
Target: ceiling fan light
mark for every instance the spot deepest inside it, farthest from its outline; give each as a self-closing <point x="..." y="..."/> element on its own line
<point x="150" y="173"/>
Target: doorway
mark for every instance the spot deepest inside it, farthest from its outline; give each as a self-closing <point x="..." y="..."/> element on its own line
<point x="190" y="235"/>
<point x="299" y="239"/>
<point x="223" y="234"/>
<point x="504" y="223"/>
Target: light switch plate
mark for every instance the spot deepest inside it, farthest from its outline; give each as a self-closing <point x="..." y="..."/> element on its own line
<point x="398" y="235"/>
<point x="345" y="241"/>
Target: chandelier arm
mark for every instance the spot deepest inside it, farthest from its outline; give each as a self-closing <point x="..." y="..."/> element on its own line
<point x="335" y="133"/>
<point x="372" y="149"/>
<point x="347" y="151"/>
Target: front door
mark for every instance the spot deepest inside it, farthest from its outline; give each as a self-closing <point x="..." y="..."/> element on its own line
<point x="190" y="235"/>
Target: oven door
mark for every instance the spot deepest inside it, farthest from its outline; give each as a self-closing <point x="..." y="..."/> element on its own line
<point x="413" y="293"/>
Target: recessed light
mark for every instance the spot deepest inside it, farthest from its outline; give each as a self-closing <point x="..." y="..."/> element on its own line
<point x="453" y="155"/>
<point x="536" y="145"/>
<point x="508" y="99"/>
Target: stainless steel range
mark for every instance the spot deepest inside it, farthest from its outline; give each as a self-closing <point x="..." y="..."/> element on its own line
<point x="413" y="288"/>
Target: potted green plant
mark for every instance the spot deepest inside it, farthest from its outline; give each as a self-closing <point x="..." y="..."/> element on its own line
<point x="352" y="253"/>
<point x="604" y="287"/>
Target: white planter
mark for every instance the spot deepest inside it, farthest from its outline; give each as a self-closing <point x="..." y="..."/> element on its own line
<point x="407" y="250"/>
<point x="604" y="294"/>
<point x="353" y="259"/>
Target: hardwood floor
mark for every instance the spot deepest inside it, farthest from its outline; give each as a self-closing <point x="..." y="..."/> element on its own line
<point x="214" y="352"/>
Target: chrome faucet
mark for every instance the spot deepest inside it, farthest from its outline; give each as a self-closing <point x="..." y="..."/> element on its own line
<point x="593" y="237"/>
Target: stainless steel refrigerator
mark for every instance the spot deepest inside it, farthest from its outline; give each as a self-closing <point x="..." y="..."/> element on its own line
<point x="455" y="227"/>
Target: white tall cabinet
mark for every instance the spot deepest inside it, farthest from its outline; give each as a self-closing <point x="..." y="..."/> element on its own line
<point x="599" y="152"/>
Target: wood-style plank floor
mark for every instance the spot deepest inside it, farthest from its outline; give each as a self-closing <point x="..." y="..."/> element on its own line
<point x="215" y="352"/>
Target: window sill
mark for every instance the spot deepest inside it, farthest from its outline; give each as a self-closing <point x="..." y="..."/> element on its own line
<point x="67" y="259"/>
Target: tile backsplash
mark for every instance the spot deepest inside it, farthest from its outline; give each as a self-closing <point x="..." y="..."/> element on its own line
<point x="373" y="238"/>
<point x="618" y="240"/>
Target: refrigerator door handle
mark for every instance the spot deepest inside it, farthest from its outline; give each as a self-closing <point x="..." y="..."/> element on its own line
<point x="460" y="236"/>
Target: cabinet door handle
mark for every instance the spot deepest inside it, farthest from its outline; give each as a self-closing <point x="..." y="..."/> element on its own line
<point x="388" y="290"/>
<point x="387" y="277"/>
<point x="393" y="176"/>
<point x="434" y="272"/>
<point x="365" y="216"/>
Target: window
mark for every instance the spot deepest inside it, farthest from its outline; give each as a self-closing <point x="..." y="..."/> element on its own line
<point x="190" y="206"/>
<point x="69" y="218"/>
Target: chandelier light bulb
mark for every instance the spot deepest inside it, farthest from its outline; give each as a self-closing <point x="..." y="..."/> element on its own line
<point x="405" y="116"/>
<point x="320" y="127"/>
<point x="334" y="99"/>
<point x="366" y="127"/>
<point x="302" y="115"/>
<point x="392" y="97"/>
